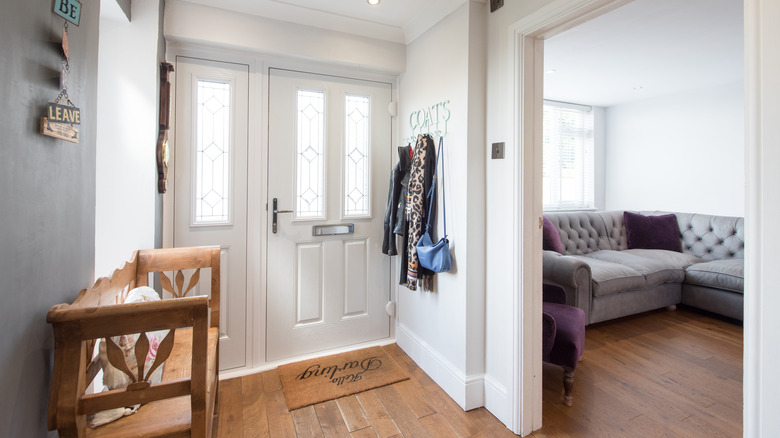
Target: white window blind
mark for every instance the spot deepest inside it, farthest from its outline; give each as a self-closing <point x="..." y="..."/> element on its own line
<point x="568" y="156"/>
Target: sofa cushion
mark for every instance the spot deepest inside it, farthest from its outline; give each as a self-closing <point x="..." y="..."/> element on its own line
<point x="652" y="232"/>
<point x="656" y="265"/>
<point x="551" y="240"/>
<point x="712" y="237"/>
<point x="581" y="232"/>
<point x="609" y="278"/>
<point x="726" y="274"/>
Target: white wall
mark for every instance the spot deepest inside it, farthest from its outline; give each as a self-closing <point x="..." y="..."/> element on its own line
<point x="127" y="125"/>
<point x="188" y="22"/>
<point x="500" y="262"/>
<point x="683" y="152"/>
<point x="443" y="331"/>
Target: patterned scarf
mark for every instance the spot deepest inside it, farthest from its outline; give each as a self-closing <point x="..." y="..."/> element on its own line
<point x="416" y="212"/>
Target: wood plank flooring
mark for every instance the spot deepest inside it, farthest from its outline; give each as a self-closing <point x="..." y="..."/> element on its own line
<point x="659" y="374"/>
<point x="676" y="374"/>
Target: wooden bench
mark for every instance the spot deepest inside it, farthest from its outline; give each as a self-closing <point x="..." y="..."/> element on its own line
<point x="183" y="403"/>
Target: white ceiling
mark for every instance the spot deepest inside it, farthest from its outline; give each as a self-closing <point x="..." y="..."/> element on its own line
<point x="399" y="21"/>
<point x="663" y="46"/>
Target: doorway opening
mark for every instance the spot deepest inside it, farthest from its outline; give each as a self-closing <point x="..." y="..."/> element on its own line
<point x="633" y="193"/>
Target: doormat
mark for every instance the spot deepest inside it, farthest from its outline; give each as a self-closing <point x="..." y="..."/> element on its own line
<point x="326" y="378"/>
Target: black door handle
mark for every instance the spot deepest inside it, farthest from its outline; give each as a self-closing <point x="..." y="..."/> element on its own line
<point x="276" y="211"/>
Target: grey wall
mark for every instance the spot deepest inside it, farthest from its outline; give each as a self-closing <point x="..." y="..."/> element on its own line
<point x="47" y="200"/>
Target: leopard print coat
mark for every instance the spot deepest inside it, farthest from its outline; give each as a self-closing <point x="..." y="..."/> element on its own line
<point x="423" y="167"/>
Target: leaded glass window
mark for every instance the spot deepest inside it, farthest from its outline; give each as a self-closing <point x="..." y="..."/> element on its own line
<point x="212" y="152"/>
<point x="310" y="184"/>
<point x="356" y="156"/>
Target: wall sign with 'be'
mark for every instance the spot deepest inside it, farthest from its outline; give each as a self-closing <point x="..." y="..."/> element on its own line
<point x="69" y="10"/>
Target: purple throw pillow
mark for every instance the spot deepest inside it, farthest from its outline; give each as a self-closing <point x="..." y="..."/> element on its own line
<point x="551" y="240"/>
<point x="652" y="232"/>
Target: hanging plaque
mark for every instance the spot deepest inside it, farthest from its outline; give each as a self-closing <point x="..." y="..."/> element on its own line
<point x="60" y="122"/>
<point x="69" y="10"/>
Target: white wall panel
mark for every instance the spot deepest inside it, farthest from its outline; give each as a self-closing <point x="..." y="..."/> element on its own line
<point x="444" y="331"/>
<point x="308" y="284"/>
<point x="356" y="278"/>
<point x="684" y="152"/>
<point x="126" y="172"/>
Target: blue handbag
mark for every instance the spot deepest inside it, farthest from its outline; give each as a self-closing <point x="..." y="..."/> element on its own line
<point x="435" y="257"/>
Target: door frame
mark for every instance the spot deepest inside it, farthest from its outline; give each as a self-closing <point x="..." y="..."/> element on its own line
<point x="257" y="219"/>
<point x="526" y="72"/>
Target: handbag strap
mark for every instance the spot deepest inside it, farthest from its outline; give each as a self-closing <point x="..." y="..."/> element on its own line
<point x="433" y="186"/>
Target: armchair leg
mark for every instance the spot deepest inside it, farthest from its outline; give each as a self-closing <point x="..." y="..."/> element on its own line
<point x="568" y="382"/>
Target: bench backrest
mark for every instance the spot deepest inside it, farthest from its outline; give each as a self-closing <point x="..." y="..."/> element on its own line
<point x="97" y="314"/>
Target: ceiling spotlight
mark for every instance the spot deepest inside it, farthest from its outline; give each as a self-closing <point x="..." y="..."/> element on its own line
<point x="373" y="2"/>
<point x="551" y="72"/>
<point x="638" y="87"/>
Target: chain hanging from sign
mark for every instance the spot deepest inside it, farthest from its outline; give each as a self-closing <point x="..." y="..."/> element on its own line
<point x="62" y="115"/>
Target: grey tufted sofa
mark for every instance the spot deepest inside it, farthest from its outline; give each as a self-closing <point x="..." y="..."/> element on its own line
<point x="607" y="280"/>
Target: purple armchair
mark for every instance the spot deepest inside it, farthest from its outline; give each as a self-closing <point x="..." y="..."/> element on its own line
<point x="563" y="335"/>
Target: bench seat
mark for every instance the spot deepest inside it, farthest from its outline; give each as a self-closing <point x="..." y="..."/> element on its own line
<point x="176" y="411"/>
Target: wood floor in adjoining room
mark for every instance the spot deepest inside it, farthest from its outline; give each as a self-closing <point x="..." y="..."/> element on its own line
<point x="663" y="373"/>
<point x="658" y="374"/>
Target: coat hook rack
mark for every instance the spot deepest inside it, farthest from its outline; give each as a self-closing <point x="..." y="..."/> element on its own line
<point x="429" y="120"/>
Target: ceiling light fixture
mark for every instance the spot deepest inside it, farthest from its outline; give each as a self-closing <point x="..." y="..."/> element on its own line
<point x="638" y="87"/>
<point x="551" y="72"/>
<point x="373" y="2"/>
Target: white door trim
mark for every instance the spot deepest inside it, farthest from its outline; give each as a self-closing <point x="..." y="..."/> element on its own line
<point x="760" y="218"/>
<point x="526" y="56"/>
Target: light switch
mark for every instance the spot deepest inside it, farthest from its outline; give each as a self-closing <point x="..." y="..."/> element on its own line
<point x="497" y="150"/>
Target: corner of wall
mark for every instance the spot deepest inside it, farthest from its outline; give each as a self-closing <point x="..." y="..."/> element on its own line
<point x="466" y="390"/>
<point x="126" y="172"/>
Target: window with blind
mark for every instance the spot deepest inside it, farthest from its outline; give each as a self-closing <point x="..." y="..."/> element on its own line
<point x="567" y="164"/>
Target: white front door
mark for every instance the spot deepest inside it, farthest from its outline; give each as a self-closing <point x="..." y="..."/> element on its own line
<point x="329" y="165"/>
<point x="210" y="197"/>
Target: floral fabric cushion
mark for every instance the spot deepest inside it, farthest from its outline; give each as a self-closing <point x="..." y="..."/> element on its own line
<point x="113" y="378"/>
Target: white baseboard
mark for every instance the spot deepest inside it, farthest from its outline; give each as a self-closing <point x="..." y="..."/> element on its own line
<point x="467" y="391"/>
<point x="497" y="400"/>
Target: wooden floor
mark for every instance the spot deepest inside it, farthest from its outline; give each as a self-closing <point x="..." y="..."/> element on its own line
<point x="659" y="374"/>
<point x="673" y="374"/>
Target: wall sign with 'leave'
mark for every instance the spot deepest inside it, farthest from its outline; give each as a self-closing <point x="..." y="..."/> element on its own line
<point x="59" y="122"/>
